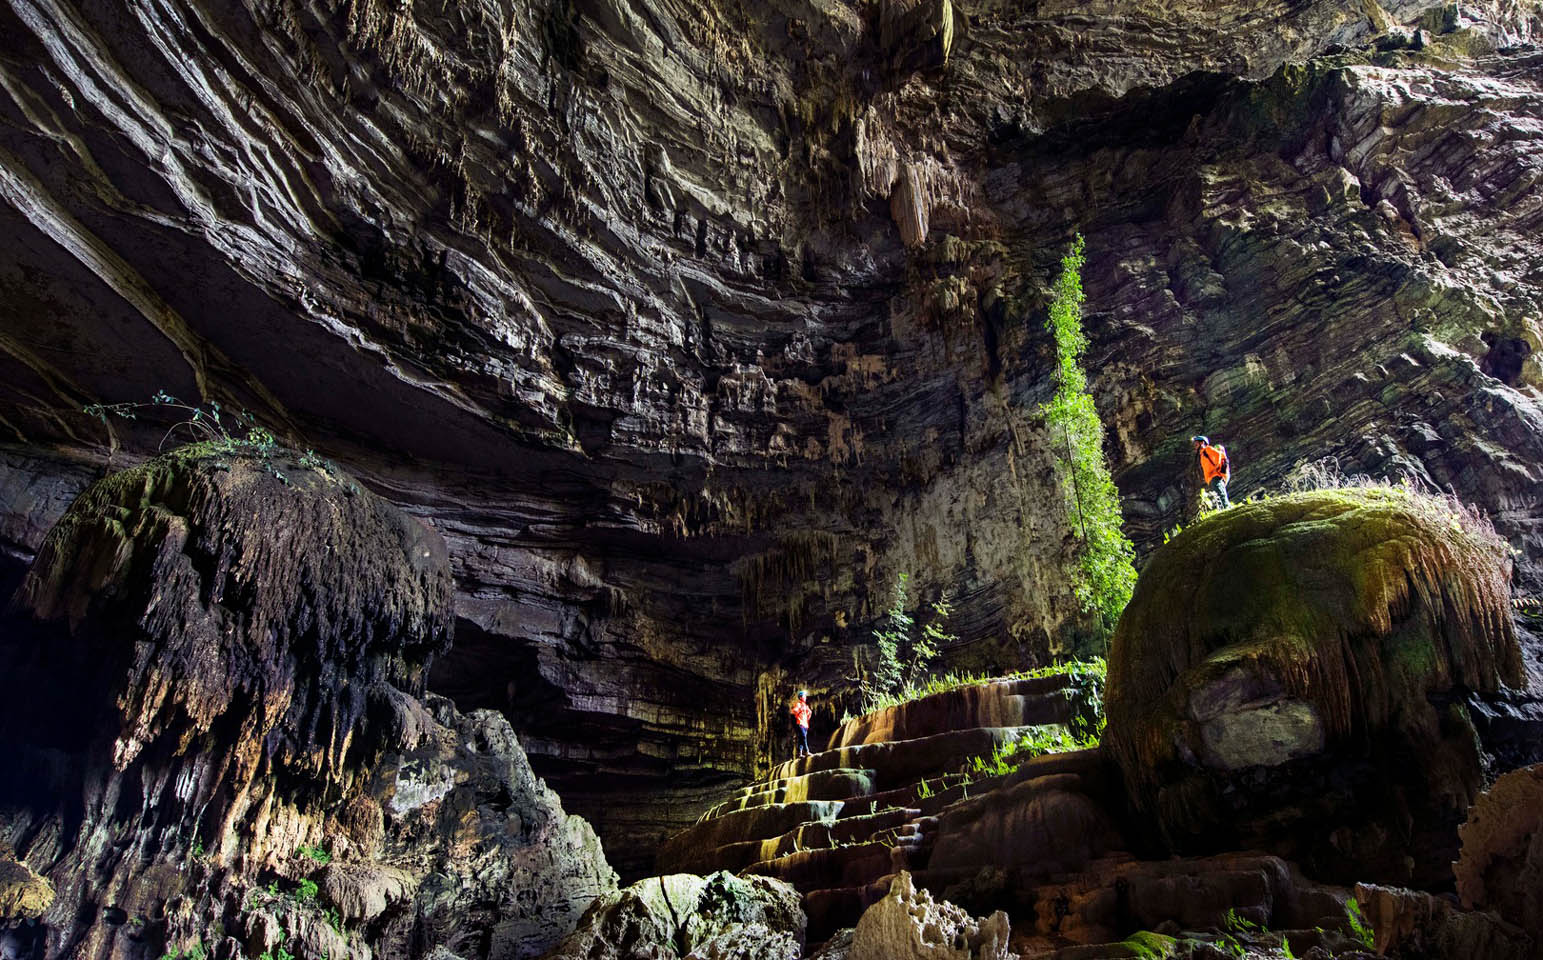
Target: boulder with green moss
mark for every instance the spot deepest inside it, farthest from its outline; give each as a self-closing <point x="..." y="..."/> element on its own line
<point x="1293" y="675"/>
<point x="23" y="894"/>
<point x="223" y="653"/>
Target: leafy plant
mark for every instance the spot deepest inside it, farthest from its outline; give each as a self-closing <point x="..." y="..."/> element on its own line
<point x="924" y="790"/>
<point x="904" y="656"/>
<point x="196" y="851"/>
<point x="334" y="920"/>
<point x="222" y="429"/>
<point x="209" y="424"/>
<point x="1087" y="678"/>
<point x="1037" y="741"/>
<point x="1237" y="923"/>
<point x="317" y="853"/>
<point x="1106" y="569"/>
<point x="278" y="952"/>
<point x="1360" y="928"/>
<point x="306" y="890"/>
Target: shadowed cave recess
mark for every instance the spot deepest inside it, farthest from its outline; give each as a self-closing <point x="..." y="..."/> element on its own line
<point x="690" y="327"/>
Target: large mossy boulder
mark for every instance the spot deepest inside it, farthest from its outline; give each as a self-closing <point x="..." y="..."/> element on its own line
<point x="225" y="742"/>
<point x="1293" y="674"/>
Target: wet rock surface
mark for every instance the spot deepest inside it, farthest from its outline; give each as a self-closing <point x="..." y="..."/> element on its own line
<point x="690" y="326"/>
<point x="1362" y="608"/>
<point x="909" y="804"/>
<point x="226" y="744"/>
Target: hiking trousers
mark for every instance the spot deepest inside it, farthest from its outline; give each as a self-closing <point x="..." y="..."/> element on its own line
<point x="1218" y="486"/>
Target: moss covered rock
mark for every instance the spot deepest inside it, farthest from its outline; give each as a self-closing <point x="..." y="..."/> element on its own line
<point x="1291" y="674"/>
<point x="224" y="652"/>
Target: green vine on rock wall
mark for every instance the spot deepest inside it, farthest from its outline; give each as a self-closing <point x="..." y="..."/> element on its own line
<point x="1106" y="574"/>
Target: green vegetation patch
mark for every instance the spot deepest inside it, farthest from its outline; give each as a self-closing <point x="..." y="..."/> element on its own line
<point x="1106" y="573"/>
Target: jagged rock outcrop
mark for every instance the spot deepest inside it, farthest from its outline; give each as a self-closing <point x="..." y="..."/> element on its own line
<point x="686" y="917"/>
<point x="1412" y="923"/>
<point x="1291" y="675"/>
<point x="909" y="925"/>
<point x="23" y="894"/>
<point x="1501" y="867"/>
<point x="617" y="295"/>
<point x="223" y="654"/>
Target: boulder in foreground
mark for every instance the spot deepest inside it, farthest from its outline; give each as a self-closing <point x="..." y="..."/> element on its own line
<point x="686" y="916"/>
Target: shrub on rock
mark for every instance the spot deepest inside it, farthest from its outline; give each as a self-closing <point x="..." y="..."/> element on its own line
<point x="1289" y="674"/>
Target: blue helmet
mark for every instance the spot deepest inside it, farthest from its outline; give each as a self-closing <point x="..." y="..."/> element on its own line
<point x="802" y="694"/>
<point x="1203" y="441"/>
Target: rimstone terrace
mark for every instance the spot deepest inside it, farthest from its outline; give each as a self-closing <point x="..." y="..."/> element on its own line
<point x="891" y="792"/>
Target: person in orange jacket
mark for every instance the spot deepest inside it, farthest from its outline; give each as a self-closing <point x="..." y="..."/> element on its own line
<point x="801" y="711"/>
<point x="1215" y="467"/>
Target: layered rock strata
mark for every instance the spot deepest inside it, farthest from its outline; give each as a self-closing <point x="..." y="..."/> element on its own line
<point x="621" y="296"/>
<point x="225" y="745"/>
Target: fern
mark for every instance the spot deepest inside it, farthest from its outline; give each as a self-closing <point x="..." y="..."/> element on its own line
<point x="1359" y="926"/>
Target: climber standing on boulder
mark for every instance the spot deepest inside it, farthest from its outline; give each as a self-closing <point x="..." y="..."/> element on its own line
<point x="1215" y="467"/>
<point x="801" y="712"/>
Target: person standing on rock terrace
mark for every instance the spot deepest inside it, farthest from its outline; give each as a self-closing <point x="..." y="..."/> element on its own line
<point x="1215" y="467"/>
<point x="801" y="712"/>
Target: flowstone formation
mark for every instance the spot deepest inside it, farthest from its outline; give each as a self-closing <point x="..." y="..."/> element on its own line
<point x="693" y="325"/>
<point x="218" y="740"/>
<point x="895" y="790"/>
<point x="1294" y="675"/>
<point x="908" y="925"/>
<point x="1287" y="758"/>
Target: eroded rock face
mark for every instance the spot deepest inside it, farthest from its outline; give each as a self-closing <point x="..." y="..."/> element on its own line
<point x="909" y="925"/>
<point x="1292" y="675"/>
<point x="224" y="656"/>
<point x="692" y="325"/>
<point x="691" y="918"/>
<point x="1501" y="867"/>
<point x="1415" y="923"/>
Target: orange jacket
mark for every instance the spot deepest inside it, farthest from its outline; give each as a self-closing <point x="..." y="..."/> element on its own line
<point x="1214" y="463"/>
<point x="801" y="711"/>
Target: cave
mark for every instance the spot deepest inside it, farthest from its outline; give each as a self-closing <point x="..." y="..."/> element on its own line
<point x="708" y="342"/>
